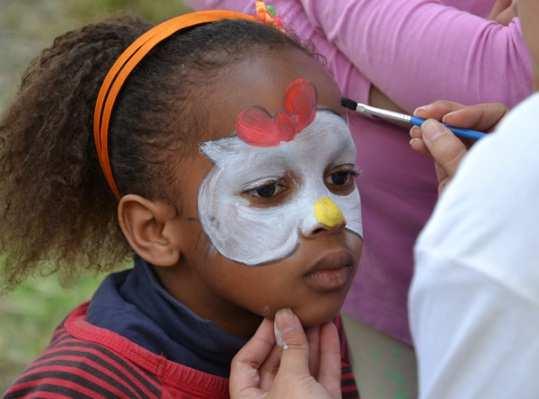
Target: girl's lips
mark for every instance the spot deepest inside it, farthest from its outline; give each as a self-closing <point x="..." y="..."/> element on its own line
<point x="331" y="272"/>
<point x="329" y="279"/>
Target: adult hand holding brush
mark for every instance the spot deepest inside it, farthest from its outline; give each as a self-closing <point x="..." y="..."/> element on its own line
<point x="434" y="139"/>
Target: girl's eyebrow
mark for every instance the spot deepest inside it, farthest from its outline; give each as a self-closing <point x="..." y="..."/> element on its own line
<point x="327" y="109"/>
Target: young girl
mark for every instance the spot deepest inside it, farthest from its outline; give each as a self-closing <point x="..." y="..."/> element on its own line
<point x="211" y="147"/>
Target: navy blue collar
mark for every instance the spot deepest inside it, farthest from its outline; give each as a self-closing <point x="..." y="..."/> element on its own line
<point x="135" y="305"/>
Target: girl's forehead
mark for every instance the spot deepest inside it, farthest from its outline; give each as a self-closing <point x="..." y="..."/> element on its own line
<point x="262" y="80"/>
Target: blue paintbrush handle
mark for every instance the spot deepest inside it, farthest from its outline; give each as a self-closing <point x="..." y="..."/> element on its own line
<point x="462" y="133"/>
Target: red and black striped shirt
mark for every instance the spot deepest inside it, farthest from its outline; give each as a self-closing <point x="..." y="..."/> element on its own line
<point x="87" y="362"/>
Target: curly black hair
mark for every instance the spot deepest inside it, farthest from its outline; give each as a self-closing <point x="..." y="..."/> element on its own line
<point x="56" y="211"/>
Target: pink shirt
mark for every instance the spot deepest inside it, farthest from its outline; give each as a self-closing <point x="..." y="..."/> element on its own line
<point x="416" y="52"/>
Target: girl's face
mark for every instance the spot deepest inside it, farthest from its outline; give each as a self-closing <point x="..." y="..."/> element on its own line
<point x="258" y="201"/>
<point x="268" y="226"/>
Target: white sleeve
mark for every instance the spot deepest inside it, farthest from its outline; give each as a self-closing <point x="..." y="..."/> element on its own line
<point x="474" y="300"/>
<point x="474" y="337"/>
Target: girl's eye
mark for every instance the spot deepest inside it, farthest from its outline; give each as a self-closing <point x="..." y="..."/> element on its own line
<point x="341" y="180"/>
<point x="268" y="190"/>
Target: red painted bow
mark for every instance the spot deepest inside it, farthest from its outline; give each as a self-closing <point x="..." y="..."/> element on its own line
<point x="257" y="127"/>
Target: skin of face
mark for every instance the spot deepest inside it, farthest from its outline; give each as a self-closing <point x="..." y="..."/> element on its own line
<point x="234" y="295"/>
<point x="528" y="12"/>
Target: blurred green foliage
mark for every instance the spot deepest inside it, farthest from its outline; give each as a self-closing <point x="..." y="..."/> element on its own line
<point x="153" y="10"/>
<point x="29" y="313"/>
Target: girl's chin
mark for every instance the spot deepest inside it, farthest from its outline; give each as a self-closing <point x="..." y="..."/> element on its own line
<point x="318" y="314"/>
<point x="313" y="312"/>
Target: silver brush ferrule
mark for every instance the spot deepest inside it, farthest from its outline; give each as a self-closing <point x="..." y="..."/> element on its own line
<point x="378" y="113"/>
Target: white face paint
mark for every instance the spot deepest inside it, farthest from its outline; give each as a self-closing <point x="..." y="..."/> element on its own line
<point x="254" y="235"/>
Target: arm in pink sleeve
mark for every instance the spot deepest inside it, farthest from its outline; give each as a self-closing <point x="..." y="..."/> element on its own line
<point x="418" y="51"/>
<point x="247" y="6"/>
<point x="351" y="82"/>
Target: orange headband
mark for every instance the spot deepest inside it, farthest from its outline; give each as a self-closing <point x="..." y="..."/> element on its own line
<point x="124" y="66"/>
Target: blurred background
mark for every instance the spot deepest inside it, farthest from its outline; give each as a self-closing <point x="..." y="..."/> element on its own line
<point x="30" y="312"/>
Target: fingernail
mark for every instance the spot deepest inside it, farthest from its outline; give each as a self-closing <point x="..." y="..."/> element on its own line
<point x="284" y="322"/>
<point x="432" y="130"/>
<point x="421" y="110"/>
<point x="416" y="130"/>
<point x="278" y="336"/>
<point x="414" y="141"/>
<point x="448" y="116"/>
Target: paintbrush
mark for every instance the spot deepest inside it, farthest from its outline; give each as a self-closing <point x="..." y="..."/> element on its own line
<point x="398" y="118"/>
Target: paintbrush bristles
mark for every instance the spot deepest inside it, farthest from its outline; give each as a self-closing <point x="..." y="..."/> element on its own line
<point x="350" y="104"/>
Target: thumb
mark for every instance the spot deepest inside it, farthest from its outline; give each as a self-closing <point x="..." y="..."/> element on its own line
<point x="291" y="337"/>
<point x="446" y="149"/>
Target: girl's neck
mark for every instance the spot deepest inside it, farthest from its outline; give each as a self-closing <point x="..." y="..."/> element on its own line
<point x="189" y="289"/>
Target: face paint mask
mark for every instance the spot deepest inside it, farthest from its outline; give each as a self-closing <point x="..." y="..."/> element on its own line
<point x="255" y="235"/>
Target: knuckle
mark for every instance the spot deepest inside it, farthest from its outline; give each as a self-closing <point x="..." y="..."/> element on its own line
<point x="446" y="104"/>
<point x="295" y="338"/>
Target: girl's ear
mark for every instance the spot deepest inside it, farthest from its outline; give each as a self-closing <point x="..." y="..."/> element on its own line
<point x="151" y="228"/>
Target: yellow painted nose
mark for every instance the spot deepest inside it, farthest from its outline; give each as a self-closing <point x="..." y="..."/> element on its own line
<point x="328" y="213"/>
